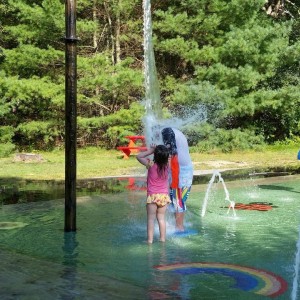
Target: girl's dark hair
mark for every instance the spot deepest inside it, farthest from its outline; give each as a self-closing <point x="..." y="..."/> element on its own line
<point x="161" y="157"/>
<point x="168" y="136"/>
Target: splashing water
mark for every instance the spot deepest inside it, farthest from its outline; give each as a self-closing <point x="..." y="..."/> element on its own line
<point x="153" y="119"/>
<point x="216" y="173"/>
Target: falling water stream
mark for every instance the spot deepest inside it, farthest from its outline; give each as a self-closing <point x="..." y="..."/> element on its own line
<point x="153" y="103"/>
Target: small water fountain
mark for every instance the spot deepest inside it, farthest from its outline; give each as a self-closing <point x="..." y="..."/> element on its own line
<point x="216" y="174"/>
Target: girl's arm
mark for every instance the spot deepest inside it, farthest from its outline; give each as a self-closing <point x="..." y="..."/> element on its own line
<point x="142" y="156"/>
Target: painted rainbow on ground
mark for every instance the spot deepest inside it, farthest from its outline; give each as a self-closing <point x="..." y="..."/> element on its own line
<point x="247" y="279"/>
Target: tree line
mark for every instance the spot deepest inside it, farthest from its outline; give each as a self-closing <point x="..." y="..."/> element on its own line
<point x="237" y="59"/>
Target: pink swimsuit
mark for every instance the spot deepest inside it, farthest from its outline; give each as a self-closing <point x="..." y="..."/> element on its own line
<point x="157" y="187"/>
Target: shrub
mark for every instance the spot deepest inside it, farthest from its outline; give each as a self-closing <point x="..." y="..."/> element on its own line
<point x="6" y="149"/>
<point x="229" y="140"/>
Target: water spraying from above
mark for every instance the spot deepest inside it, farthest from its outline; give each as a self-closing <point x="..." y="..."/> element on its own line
<point x="153" y="103"/>
<point x="153" y="119"/>
<point x="216" y="174"/>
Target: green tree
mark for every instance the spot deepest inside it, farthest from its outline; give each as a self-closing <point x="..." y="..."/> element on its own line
<point x="32" y="67"/>
<point x="237" y="60"/>
<point x="228" y="55"/>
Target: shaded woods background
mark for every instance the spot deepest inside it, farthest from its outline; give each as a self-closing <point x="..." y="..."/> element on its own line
<point x="237" y="59"/>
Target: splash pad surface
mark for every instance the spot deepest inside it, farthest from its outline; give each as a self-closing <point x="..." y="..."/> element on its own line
<point x="107" y="257"/>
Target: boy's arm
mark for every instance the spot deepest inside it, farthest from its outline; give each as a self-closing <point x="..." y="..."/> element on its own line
<point x="142" y="156"/>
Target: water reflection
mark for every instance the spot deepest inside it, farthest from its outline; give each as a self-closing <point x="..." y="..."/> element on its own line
<point x="277" y="187"/>
<point x="230" y="238"/>
<point x="18" y="190"/>
<point x="25" y="191"/>
<point x="156" y="291"/>
<point x="165" y="285"/>
<point x="70" y="261"/>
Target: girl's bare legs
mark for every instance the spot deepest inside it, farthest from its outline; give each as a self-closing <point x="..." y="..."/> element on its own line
<point x="160" y="215"/>
<point x="151" y="214"/>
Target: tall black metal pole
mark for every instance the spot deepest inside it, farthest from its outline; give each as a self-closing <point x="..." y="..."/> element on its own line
<point x="70" y="115"/>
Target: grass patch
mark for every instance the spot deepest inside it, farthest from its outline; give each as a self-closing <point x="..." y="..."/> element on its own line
<point x="95" y="162"/>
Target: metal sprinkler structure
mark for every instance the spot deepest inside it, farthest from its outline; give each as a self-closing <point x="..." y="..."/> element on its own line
<point x="70" y="115"/>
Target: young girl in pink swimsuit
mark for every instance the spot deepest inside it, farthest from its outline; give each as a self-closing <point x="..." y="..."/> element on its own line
<point x="157" y="188"/>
